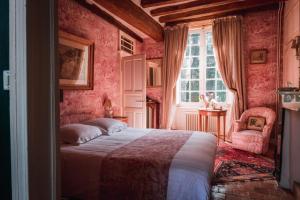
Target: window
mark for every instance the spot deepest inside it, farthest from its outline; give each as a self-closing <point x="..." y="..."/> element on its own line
<point x="126" y="43"/>
<point x="199" y="73"/>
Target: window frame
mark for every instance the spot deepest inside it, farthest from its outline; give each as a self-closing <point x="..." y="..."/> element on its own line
<point x="202" y="73"/>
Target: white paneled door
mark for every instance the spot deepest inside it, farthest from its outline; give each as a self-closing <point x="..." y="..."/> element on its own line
<point x="134" y="90"/>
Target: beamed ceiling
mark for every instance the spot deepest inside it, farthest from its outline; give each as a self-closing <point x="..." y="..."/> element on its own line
<point x="174" y="12"/>
<point x="149" y="16"/>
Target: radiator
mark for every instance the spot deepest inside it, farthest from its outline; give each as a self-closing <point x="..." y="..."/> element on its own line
<point x="192" y="122"/>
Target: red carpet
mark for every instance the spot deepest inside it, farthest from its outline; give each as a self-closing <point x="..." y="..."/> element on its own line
<point x="237" y="165"/>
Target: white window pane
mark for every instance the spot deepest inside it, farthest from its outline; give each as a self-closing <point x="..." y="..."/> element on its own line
<point x="210" y="85"/>
<point x="185" y="85"/>
<point x="208" y="37"/>
<point x="194" y="96"/>
<point x="210" y="72"/>
<point x="195" y="85"/>
<point x="195" y="50"/>
<point x="209" y="50"/>
<point x="185" y="74"/>
<point x="186" y="63"/>
<point x="210" y="61"/>
<point x="195" y="38"/>
<point x="220" y="85"/>
<point x="195" y="73"/>
<point x="221" y="96"/>
<point x="195" y="62"/>
<point x="185" y="97"/>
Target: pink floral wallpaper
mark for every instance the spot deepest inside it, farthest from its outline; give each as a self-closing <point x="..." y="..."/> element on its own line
<point x="261" y="33"/>
<point x="153" y="49"/>
<point x="79" y="105"/>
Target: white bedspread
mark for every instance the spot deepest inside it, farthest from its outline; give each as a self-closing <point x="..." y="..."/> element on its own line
<point x="189" y="175"/>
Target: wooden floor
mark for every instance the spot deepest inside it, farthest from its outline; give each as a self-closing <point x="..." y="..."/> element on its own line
<point x="254" y="190"/>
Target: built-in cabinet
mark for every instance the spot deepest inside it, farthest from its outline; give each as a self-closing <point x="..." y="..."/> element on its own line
<point x="290" y="149"/>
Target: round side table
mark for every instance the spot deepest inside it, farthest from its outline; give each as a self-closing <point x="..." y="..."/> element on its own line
<point x="213" y="113"/>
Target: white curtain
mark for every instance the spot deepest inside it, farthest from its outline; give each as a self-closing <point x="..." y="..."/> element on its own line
<point x="175" y="44"/>
<point x="228" y="45"/>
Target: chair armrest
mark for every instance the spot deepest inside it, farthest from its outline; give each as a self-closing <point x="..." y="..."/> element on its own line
<point x="238" y="125"/>
<point x="267" y="130"/>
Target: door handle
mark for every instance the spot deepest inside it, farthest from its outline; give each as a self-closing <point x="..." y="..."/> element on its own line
<point x="139" y="101"/>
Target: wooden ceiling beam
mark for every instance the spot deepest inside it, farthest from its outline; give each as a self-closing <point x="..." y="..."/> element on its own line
<point x="237" y="6"/>
<point x="133" y="15"/>
<point x="104" y="15"/>
<point x="194" y="5"/>
<point x="212" y="16"/>
<point x="152" y="3"/>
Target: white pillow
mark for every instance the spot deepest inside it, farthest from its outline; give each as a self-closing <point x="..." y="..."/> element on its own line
<point x="76" y="134"/>
<point x="107" y="125"/>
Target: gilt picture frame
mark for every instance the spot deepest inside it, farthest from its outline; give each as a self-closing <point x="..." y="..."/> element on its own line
<point x="258" y="56"/>
<point x="76" y="62"/>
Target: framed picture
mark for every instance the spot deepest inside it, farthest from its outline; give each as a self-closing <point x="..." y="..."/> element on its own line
<point x="258" y="56"/>
<point x="76" y="62"/>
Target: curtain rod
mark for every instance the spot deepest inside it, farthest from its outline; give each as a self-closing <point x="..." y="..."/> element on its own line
<point x="200" y="24"/>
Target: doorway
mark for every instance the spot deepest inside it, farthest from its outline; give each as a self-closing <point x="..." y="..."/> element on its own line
<point x="5" y="172"/>
<point x="134" y="90"/>
<point x="33" y="99"/>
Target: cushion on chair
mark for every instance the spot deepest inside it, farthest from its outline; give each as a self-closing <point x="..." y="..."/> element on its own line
<point x="248" y="140"/>
<point x="249" y="134"/>
<point x="256" y="123"/>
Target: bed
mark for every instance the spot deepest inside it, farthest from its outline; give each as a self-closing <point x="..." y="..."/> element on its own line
<point x="139" y="164"/>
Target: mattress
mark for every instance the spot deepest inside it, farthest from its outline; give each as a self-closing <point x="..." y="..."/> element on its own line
<point x="189" y="171"/>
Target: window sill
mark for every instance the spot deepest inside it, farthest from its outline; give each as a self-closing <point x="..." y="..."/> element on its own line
<point x="191" y="105"/>
<point x="200" y="106"/>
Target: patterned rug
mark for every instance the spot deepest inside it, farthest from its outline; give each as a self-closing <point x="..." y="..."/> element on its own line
<point x="235" y="165"/>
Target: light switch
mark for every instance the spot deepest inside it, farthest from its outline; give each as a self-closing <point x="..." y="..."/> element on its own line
<point x="6" y="83"/>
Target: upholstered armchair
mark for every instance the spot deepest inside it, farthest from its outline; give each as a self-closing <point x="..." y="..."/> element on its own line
<point x="253" y="140"/>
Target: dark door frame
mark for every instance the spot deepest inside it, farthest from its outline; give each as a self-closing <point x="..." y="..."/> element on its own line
<point x="5" y="173"/>
<point x="33" y="99"/>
